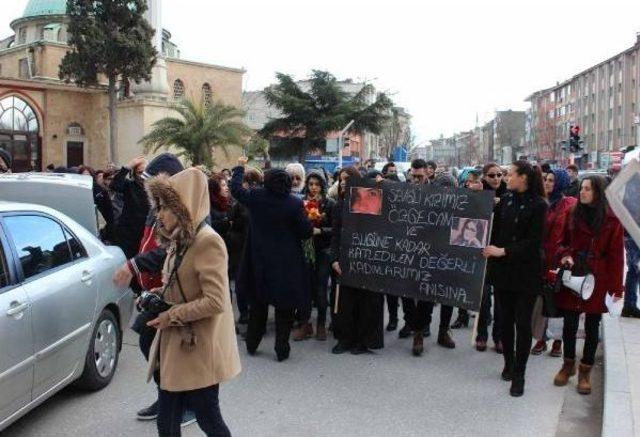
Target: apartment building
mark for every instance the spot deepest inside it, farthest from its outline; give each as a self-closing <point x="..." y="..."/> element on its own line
<point x="602" y="100"/>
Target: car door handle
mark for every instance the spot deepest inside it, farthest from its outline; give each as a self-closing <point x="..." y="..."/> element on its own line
<point x="86" y="277"/>
<point x="17" y="308"/>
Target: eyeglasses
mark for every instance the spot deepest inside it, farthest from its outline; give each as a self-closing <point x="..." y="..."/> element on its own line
<point x="494" y="175"/>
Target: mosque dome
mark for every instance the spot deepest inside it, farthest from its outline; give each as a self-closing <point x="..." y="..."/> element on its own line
<point x="37" y="8"/>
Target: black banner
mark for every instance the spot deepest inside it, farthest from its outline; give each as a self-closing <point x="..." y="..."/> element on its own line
<point x="418" y="241"/>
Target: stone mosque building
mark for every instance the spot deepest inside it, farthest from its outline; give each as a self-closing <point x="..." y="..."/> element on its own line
<point x="46" y="121"/>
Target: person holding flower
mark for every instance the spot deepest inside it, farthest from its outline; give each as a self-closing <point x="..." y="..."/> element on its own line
<point x="319" y="209"/>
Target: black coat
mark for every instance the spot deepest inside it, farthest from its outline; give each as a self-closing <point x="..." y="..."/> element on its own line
<point x="573" y="190"/>
<point x="237" y="235"/>
<point x="519" y="229"/>
<point x="134" y="212"/>
<point x="323" y="241"/>
<point x="274" y="250"/>
<point x="220" y="221"/>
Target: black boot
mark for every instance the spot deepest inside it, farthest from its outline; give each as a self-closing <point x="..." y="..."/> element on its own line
<point x="405" y="332"/>
<point x="252" y="339"/>
<point x="340" y="348"/>
<point x="462" y="321"/>
<point x="507" y="372"/>
<point x="629" y="311"/>
<point x="517" y="385"/>
<point x="392" y="325"/>
<point x="284" y="323"/>
<point x="282" y="352"/>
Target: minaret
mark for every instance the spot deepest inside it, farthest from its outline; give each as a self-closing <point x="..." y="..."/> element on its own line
<point x="158" y="86"/>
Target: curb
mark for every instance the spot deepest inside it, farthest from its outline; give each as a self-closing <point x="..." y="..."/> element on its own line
<point x="617" y="418"/>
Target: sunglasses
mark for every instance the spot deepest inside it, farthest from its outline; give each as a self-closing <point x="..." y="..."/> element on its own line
<point x="494" y="175"/>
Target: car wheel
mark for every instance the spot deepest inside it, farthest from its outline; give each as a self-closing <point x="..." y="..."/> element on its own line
<point x="102" y="357"/>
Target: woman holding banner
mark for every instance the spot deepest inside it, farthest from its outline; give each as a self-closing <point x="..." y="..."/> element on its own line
<point x="516" y="263"/>
<point x="593" y="243"/>
<point x="358" y="311"/>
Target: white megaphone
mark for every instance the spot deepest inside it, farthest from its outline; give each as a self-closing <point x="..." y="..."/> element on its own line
<point x="581" y="286"/>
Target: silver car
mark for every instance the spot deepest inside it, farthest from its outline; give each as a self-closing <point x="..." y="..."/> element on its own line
<point x="61" y="316"/>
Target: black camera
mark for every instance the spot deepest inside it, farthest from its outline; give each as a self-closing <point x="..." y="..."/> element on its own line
<point x="152" y="303"/>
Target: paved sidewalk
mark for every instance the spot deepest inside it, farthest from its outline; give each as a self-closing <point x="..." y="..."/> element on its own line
<point x="631" y="335"/>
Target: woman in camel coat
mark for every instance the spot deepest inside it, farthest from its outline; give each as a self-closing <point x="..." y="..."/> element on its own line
<point x="195" y="347"/>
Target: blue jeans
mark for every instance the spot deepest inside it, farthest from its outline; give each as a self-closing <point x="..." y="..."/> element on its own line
<point x="631" y="281"/>
<point x="203" y="402"/>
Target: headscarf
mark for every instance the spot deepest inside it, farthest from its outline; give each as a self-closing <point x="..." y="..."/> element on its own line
<point x="561" y="183"/>
<point x="295" y="168"/>
<point x="277" y="181"/>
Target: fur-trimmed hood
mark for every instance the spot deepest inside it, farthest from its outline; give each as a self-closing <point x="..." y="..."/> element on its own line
<point x="187" y="195"/>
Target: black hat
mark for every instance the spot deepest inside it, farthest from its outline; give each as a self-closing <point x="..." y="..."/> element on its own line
<point x="6" y="157"/>
<point x="163" y="163"/>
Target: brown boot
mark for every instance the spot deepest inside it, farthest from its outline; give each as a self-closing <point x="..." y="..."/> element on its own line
<point x="418" y="343"/>
<point x="303" y="332"/>
<point x="321" y="332"/>
<point x="567" y="371"/>
<point x="445" y="340"/>
<point x="584" y="379"/>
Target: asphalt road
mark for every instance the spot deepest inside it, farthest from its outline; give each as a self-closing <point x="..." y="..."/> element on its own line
<point x="389" y="393"/>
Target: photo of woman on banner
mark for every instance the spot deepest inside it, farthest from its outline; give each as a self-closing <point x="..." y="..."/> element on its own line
<point x="468" y="232"/>
<point x="366" y="201"/>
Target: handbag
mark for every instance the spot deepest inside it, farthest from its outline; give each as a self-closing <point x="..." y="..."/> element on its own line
<point x="549" y="291"/>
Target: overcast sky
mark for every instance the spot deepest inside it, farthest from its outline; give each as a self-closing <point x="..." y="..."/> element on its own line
<point x="445" y="61"/>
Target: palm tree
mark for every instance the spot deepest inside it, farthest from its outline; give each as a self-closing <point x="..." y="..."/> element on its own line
<point x="200" y="129"/>
<point x="258" y="146"/>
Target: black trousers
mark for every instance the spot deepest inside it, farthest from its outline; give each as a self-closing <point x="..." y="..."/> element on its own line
<point x="258" y="313"/>
<point x="517" y="309"/>
<point x="419" y="314"/>
<point x="358" y="317"/>
<point x="484" y="318"/>
<point x="203" y="402"/>
<point x="592" y="336"/>
<point x="392" y="307"/>
<point x="319" y="273"/>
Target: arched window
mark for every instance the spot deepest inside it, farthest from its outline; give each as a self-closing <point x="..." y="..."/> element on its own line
<point x="19" y="133"/>
<point x="207" y="95"/>
<point x="178" y="89"/>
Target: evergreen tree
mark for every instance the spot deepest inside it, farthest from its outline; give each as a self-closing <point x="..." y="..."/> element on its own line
<point x="310" y="113"/>
<point x="112" y="39"/>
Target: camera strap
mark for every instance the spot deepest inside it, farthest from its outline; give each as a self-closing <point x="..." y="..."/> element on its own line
<point x="180" y="253"/>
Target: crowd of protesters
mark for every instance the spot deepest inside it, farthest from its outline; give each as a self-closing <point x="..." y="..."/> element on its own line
<point x="274" y="237"/>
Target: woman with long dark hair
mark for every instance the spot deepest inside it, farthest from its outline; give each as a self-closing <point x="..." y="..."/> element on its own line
<point x="593" y="243"/>
<point x="516" y="265"/>
<point x="221" y="202"/>
<point x="359" y="311"/>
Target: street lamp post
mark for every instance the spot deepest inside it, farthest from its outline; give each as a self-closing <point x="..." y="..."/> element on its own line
<point x="341" y="142"/>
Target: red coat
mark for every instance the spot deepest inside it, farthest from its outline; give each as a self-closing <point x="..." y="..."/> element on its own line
<point x="554" y="227"/>
<point x="605" y="261"/>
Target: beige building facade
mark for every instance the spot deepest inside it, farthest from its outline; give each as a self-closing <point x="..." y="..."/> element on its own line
<point x="46" y="121"/>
